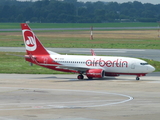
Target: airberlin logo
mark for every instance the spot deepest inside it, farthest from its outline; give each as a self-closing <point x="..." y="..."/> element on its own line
<point x="108" y="63"/>
<point x="30" y="40"/>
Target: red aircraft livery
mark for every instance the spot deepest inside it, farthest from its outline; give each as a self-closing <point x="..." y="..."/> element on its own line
<point x="91" y="66"/>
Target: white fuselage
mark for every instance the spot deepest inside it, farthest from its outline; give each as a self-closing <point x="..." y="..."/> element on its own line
<point x="107" y="63"/>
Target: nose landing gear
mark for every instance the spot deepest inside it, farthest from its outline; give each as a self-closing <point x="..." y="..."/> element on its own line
<point x="137" y="78"/>
<point x="139" y="75"/>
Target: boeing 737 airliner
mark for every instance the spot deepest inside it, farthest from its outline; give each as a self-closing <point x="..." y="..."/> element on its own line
<point x="91" y="66"/>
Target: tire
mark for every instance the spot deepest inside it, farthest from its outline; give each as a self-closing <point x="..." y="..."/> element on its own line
<point x="137" y="78"/>
<point x="80" y="77"/>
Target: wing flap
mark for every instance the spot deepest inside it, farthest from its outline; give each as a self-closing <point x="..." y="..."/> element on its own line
<point x="73" y="68"/>
<point x="82" y="69"/>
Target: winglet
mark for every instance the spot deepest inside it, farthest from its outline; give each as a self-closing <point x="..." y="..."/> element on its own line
<point x="93" y="53"/>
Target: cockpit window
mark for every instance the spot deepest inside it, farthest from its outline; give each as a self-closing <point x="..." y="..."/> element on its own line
<point x="144" y="63"/>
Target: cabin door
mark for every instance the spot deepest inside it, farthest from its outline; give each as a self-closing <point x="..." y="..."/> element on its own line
<point x="133" y="65"/>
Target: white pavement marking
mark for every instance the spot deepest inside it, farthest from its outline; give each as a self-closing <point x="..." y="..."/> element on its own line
<point x="119" y="49"/>
<point x="61" y="104"/>
<point x="109" y="50"/>
<point x="99" y="51"/>
<point x="4" y="118"/>
<point x="154" y="82"/>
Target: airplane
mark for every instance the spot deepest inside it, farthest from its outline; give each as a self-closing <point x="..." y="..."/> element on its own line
<point x="91" y="66"/>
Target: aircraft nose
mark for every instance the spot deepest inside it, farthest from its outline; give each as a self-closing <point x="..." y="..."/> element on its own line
<point x="151" y="68"/>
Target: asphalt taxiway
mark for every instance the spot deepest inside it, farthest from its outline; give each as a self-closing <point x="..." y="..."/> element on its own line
<point x="63" y="97"/>
<point x="138" y="53"/>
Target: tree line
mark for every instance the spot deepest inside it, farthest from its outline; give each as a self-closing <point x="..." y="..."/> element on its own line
<point x="72" y="11"/>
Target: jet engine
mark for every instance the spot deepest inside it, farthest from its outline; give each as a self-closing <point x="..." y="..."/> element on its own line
<point x="95" y="73"/>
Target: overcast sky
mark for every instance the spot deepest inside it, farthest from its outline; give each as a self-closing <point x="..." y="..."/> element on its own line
<point x="119" y="1"/>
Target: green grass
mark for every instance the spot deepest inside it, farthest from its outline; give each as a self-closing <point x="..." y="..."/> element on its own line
<point x="75" y="25"/>
<point x="14" y="64"/>
<point x="156" y="64"/>
<point x="16" y="40"/>
<point x="87" y="43"/>
<point x="103" y="43"/>
<point x="71" y="39"/>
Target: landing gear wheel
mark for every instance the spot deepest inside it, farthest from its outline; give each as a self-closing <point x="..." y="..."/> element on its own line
<point x="80" y="77"/>
<point x="137" y="78"/>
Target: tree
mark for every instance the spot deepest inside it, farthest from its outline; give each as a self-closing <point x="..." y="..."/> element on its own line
<point x="75" y="11"/>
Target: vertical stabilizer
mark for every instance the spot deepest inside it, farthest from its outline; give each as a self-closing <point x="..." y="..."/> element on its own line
<point x="33" y="45"/>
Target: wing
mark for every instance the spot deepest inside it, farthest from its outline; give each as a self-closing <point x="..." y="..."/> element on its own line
<point x="77" y="68"/>
<point x="82" y="69"/>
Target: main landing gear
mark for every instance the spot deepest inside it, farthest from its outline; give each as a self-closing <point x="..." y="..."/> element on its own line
<point x="80" y="77"/>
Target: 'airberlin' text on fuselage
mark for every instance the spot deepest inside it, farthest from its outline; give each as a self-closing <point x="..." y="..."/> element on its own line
<point x="108" y="63"/>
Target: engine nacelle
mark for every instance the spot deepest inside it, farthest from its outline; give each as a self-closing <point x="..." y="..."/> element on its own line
<point x="95" y="73"/>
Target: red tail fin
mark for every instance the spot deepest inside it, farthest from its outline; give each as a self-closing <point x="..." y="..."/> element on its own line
<point x="33" y="45"/>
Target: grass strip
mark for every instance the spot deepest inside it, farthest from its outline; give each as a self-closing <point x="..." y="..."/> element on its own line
<point x="18" y="65"/>
<point x="14" y="64"/>
<point x="126" y="39"/>
<point x="77" y="25"/>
